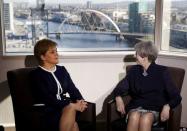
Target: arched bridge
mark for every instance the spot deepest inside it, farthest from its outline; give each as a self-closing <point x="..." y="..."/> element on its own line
<point x="91" y="21"/>
<point x="87" y="21"/>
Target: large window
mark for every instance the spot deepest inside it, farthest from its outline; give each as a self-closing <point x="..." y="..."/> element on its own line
<point x="77" y="25"/>
<point x="174" y="25"/>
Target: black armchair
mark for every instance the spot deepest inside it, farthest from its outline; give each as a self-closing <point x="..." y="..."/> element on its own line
<point x="116" y="123"/>
<point x="1" y="128"/>
<point x="31" y="118"/>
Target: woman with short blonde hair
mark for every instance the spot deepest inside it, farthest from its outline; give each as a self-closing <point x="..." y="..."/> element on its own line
<point x="151" y="90"/>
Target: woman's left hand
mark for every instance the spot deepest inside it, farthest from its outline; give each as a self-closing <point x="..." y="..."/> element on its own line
<point x="165" y="113"/>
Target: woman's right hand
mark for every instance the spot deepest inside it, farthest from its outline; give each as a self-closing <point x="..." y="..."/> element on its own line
<point x="80" y="105"/>
<point x="120" y="105"/>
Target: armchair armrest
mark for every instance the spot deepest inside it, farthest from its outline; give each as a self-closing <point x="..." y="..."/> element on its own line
<point x="87" y="119"/>
<point x="89" y="114"/>
<point x="175" y="118"/>
<point x="38" y="107"/>
<point x="112" y="113"/>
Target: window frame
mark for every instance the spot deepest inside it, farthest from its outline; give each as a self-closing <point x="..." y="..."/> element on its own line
<point x="157" y="38"/>
<point x="1" y="30"/>
<point x="159" y="31"/>
<point x="89" y="52"/>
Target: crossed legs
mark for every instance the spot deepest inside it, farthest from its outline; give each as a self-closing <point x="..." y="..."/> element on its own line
<point x="67" y="120"/>
<point x="140" y="122"/>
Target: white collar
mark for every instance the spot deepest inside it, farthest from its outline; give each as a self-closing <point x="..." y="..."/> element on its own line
<point x="51" y="71"/>
<point x="59" y="90"/>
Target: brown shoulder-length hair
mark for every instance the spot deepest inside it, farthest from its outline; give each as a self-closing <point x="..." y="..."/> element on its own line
<point x="41" y="47"/>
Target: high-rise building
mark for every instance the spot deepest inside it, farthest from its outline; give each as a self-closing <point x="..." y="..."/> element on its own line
<point x="147" y="23"/>
<point x="8" y="16"/>
<point x="142" y="6"/>
<point x="40" y="3"/>
<point x="135" y="9"/>
<point x="89" y="4"/>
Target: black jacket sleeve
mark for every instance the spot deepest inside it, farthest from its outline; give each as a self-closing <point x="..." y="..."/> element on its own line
<point x="71" y="88"/>
<point x="122" y="87"/>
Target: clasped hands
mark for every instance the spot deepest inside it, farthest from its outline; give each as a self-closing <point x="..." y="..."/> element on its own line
<point x="80" y="105"/>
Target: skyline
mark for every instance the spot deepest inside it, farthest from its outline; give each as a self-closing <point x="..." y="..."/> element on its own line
<point x="81" y="1"/>
<point x="76" y="1"/>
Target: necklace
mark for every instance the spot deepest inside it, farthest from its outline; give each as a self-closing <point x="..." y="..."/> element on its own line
<point x="144" y="73"/>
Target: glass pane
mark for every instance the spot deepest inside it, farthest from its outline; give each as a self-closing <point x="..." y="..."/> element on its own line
<point x="78" y="25"/>
<point x="175" y="25"/>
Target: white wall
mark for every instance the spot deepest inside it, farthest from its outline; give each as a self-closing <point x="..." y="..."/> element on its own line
<point x="94" y="76"/>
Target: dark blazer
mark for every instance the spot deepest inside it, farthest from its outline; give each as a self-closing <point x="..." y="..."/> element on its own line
<point x="45" y="87"/>
<point x="151" y="90"/>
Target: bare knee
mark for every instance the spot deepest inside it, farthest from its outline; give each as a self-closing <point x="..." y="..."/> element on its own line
<point x="147" y="120"/>
<point x="67" y="119"/>
<point x="75" y="127"/>
<point x="133" y="121"/>
<point x="134" y="116"/>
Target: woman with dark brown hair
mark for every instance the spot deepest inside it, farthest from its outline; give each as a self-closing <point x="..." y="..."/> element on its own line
<point x="51" y="83"/>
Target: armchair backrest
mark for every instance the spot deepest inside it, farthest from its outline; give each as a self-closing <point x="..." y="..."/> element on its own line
<point x="22" y="99"/>
<point x="20" y="89"/>
<point x="177" y="74"/>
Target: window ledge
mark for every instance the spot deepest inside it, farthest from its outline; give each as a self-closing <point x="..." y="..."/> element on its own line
<point x="107" y="54"/>
<point x="173" y="54"/>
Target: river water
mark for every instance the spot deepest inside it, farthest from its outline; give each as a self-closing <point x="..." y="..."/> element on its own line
<point x="80" y="42"/>
<point x="88" y="41"/>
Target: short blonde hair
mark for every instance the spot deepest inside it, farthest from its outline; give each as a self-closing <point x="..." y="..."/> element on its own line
<point x="41" y="47"/>
<point x="147" y="49"/>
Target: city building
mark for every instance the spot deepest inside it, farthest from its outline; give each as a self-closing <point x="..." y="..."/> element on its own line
<point x="40" y="3"/>
<point x="8" y="16"/>
<point x="89" y="4"/>
<point x="147" y="22"/>
<point x="135" y="9"/>
<point x="178" y="38"/>
<point x="119" y="15"/>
